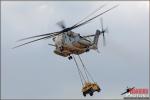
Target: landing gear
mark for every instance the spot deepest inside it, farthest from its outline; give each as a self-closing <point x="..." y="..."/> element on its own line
<point x="70" y="57"/>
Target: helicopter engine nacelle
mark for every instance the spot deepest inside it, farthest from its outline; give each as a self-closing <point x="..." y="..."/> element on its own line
<point x="80" y="42"/>
<point x="84" y="42"/>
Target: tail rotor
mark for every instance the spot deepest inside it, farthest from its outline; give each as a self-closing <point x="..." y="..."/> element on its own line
<point x="103" y="31"/>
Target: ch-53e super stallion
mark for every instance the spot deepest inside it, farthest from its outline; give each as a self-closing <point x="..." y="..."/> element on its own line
<point x="68" y="43"/>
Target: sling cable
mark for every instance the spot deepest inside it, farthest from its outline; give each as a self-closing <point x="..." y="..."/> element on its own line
<point x="89" y="86"/>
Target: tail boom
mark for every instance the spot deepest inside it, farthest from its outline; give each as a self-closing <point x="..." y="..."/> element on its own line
<point x="96" y="38"/>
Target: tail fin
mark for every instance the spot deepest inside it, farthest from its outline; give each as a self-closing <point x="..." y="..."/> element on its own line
<point x="95" y="42"/>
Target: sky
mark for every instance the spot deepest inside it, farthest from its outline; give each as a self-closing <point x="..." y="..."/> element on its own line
<point x="35" y="72"/>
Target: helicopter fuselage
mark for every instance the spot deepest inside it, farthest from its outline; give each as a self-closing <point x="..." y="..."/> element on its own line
<point x="71" y="43"/>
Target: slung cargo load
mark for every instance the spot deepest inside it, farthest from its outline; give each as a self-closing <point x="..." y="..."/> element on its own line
<point x="90" y="88"/>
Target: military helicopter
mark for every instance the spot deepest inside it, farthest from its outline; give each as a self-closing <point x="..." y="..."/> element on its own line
<point x="67" y="42"/>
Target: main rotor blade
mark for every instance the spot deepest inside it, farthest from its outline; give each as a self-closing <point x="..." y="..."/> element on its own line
<point x="101" y="20"/>
<point x="46" y="37"/>
<point x="48" y="34"/>
<point x="90" y="14"/>
<point x="52" y="45"/>
<point x="73" y="27"/>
